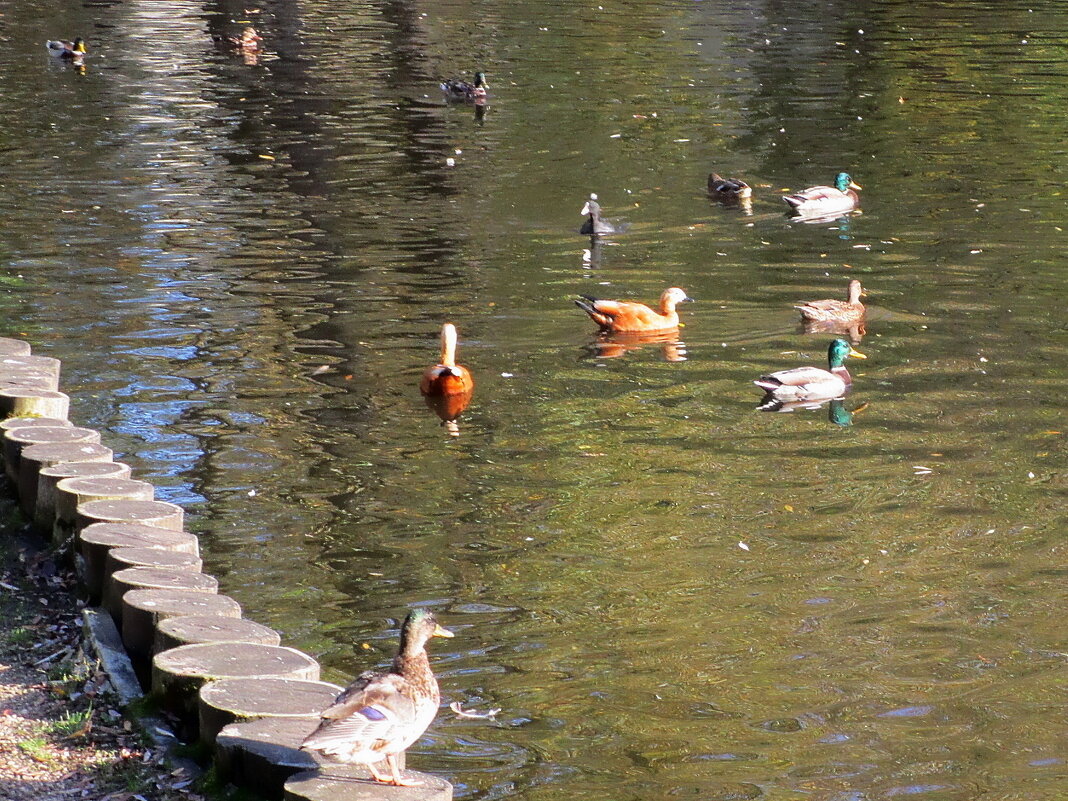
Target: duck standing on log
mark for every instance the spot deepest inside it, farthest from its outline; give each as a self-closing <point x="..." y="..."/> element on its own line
<point x="382" y="713"/>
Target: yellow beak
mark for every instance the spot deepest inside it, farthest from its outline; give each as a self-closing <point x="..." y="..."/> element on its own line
<point x="855" y="185"/>
<point x="856" y="354"/>
<point x="442" y="632"/>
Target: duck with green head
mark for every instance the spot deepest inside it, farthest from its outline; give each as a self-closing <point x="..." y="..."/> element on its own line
<point x="380" y="714"/>
<point x="456" y="89"/>
<point x="819" y="201"/>
<point x="72" y="52"/>
<point x="813" y="383"/>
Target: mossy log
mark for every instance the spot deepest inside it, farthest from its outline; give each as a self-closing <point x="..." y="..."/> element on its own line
<point x="54" y="468"/>
<point x="96" y="540"/>
<point x="152" y="578"/>
<point x="178" y="674"/>
<point x="26" y="402"/>
<point x="239" y="700"/>
<point x="175" y="632"/>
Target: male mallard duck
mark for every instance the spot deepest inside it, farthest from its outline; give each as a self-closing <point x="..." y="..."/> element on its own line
<point x="817" y="201"/>
<point x="812" y="383"/>
<point x="623" y="316"/>
<point x="465" y="90"/>
<point x="447" y="377"/>
<point x="727" y="189"/>
<point x="594" y="225"/>
<point x="380" y="714"/>
<point x="839" y="311"/>
<point x="73" y="52"/>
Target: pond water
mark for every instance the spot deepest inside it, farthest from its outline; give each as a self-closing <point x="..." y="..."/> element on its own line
<point x="245" y="262"/>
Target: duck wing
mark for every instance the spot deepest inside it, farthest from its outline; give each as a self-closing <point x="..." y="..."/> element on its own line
<point x="815" y="195"/>
<point x="797" y="377"/>
<point x="372" y="709"/>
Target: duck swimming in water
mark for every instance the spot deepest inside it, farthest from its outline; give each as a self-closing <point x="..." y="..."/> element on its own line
<point x="812" y="383"/>
<point x="594" y="225"/>
<point x="447" y="377"/>
<point x="456" y="89"/>
<point x="72" y="52"/>
<point x="819" y="201"/>
<point x="382" y="713"/>
<point x="727" y="190"/>
<point x="628" y="317"/>
<point x="839" y="311"/>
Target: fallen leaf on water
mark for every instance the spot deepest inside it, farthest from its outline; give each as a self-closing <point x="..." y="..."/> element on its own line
<point x="743" y="546"/>
<point x="266" y="157"/>
<point x="788" y="508"/>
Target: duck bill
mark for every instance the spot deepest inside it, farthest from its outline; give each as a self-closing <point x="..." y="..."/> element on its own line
<point x="856" y="354"/>
<point x="439" y="631"/>
<point x="855" y="185"/>
<point x="585" y="210"/>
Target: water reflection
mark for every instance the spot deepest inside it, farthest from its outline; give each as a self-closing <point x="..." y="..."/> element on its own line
<point x="837" y="412"/>
<point x="613" y="346"/>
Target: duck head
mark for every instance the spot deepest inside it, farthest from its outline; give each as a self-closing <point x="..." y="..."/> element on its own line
<point x="842" y="182"/>
<point x="838" y="351"/>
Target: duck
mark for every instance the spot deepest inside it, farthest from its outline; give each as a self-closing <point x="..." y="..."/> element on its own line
<point x="727" y="189"/>
<point x="624" y="316"/>
<point x="248" y="40"/>
<point x="447" y="377"/>
<point x="457" y="89"/>
<point x="382" y="713"/>
<point x="73" y="52"/>
<point x="850" y="310"/>
<point x="826" y="200"/>
<point x="813" y="383"/>
<point x="594" y="225"/>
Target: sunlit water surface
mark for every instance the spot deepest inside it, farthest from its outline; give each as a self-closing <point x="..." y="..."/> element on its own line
<point x="244" y="264"/>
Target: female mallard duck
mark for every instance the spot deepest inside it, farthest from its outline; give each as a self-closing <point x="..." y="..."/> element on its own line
<point x="447" y="377"/>
<point x="812" y="383"/>
<point x="623" y="316"/>
<point x="594" y="225"/>
<point x="380" y="714"/>
<point x="838" y="311"/>
<point x="74" y="52"/>
<point x="817" y="201"/>
<point x="456" y="89"/>
<point x="727" y="189"/>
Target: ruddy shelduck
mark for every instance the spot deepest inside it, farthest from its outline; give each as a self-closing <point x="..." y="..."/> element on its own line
<point x="624" y="316"/>
<point x="447" y="377"/>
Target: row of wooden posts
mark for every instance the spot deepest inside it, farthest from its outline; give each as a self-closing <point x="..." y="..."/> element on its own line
<point x="227" y="681"/>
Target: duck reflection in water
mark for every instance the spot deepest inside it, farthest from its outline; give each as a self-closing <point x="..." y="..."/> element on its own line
<point x="613" y="346"/>
<point x="449" y="408"/>
<point x="837" y="413"/>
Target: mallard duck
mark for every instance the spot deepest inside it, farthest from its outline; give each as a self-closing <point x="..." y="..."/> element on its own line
<point x="813" y="383"/>
<point x="447" y="377"/>
<point x="624" y="316"/>
<point x="382" y="713"/>
<point x="839" y="311"/>
<point x="456" y="89"/>
<point x="594" y="225"/>
<point x="727" y="189"/>
<point x="817" y="201"/>
<point x="73" y="52"/>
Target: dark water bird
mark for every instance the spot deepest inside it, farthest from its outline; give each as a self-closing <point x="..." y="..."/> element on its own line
<point x="456" y="89"/>
<point x="594" y="225"/>
<point x="812" y="383"/>
<point x="71" y="52"/>
<point x="727" y="190"/>
<point x="624" y="316"/>
<point x="841" y="311"/>
<point x="382" y="713"/>
<point x="447" y="377"/>
<point x="820" y="201"/>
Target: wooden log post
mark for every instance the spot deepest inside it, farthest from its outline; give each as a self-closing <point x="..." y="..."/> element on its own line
<point x="45" y="365"/>
<point x="160" y="514"/>
<point x="28" y="380"/>
<point x="152" y="578"/>
<point x="122" y="558"/>
<point x="16" y="439"/>
<point x="72" y="493"/>
<point x="190" y="629"/>
<point x="143" y="610"/>
<point x="95" y="541"/>
<point x="18" y="422"/>
<point x="26" y="402"/>
<point x="54" y="467"/>
<point x="239" y="700"/>
<point x="178" y="674"/>
<point x="14" y="347"/>
<point x="354" y="783"/>
<point x="261" y="755"/>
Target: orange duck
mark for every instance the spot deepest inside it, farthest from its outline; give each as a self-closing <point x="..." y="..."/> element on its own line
<point x="624" y="316"/>
<point x="447" y="377"/>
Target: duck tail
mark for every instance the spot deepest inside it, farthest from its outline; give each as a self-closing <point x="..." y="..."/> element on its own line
<point x="793" y="201"/>
<point x="587" y="307"/>
<point x="768" y="384"/>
